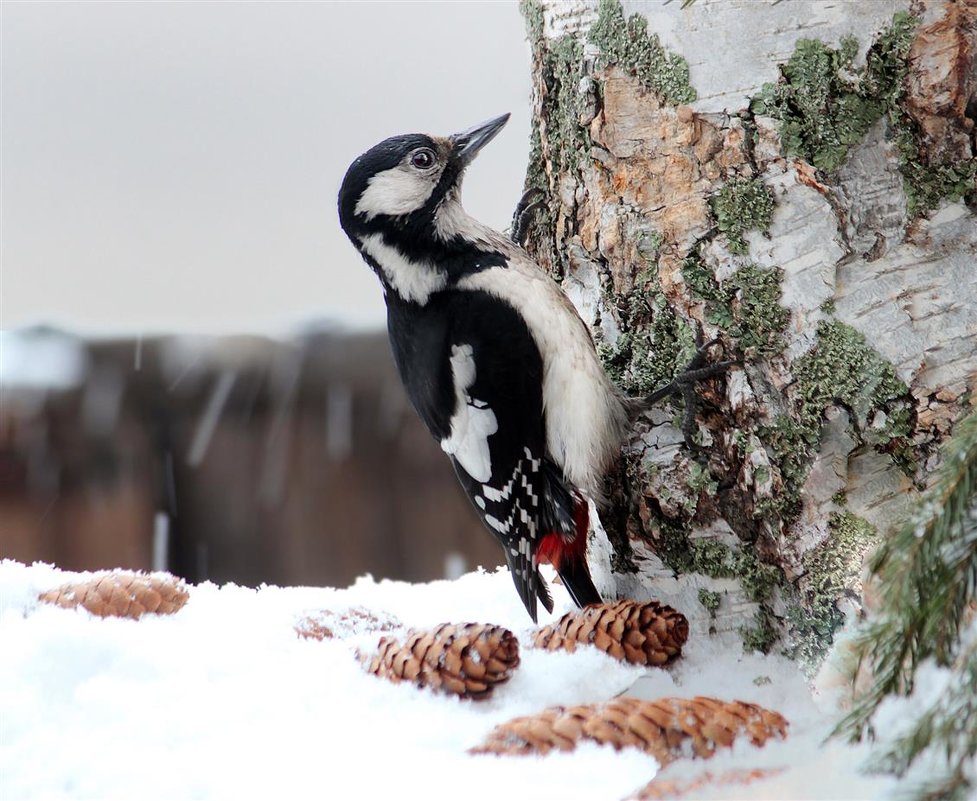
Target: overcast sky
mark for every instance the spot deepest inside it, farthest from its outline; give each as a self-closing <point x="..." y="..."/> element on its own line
<point x="173" y="166"/>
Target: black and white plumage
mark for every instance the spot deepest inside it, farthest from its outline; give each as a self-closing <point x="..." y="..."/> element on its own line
<point x="492" y="354"/>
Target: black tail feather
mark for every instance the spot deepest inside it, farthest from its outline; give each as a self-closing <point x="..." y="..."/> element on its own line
<point x="529" y="583"/>
<point x="576" y="578"/>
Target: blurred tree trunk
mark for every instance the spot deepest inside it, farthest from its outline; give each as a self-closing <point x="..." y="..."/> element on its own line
<point x="796" y="180"/>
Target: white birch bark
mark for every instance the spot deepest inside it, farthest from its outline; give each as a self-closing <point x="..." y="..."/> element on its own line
<point x="850" y="253"/>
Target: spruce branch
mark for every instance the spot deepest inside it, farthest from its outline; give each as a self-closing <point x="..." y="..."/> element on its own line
<point x="948" y="728"/>
<point x="926" y="572"/>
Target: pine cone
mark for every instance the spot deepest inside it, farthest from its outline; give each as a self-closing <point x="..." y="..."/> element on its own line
<point x="328" y="623"/>
<point x="668" y="788"/>
<point x="313" y="628"/>
<point x="639" y="633"/>
<point x="666" y="728"/>
<point x="468" y="660"/>
<point x="122" y="594"/>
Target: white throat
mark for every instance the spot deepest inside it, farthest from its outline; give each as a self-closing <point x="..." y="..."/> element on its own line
<point x="451" y="220"/>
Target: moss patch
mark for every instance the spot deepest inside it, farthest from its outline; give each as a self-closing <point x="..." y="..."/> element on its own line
<point x="747" y="305"/>
<point x="742" y="204"/>
<point x="627" y="44"/>
<point x="831" y="571"/>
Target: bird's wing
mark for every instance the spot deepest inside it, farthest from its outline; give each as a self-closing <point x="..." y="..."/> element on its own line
<point x="497" y="436"/>
<point x="474" y="374"/>
<point x="585" y="418"/>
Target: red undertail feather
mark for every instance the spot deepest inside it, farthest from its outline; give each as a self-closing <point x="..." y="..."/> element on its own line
<point x="554" y="549"/>
<point x="569" y="557"/>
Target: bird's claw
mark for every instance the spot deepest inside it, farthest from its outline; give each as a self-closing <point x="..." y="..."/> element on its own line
<point x="684" y="385"/>
<point x="530" y="202"/>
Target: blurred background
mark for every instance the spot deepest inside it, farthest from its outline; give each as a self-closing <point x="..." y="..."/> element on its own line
<point x="194" y="374"/>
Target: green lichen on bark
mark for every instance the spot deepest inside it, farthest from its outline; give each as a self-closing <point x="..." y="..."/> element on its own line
<point x="842" y="368"/>
<point x="927" y="185"/>
<point x="561" y="70"/>
<point x="715" y="559"/>
<point x="831" y="571"/>
<point x="655" y="344"/>
<point x="711" y="557"/>
<point x="825" y="104"/>
<point x="758" y="320"/>
<point x="746" y="306"/>
<point x="793" y="456"/>
<point x="627" y="44"/>
<point x="700" y="481"/>
<point x="741" y="205"/>
<point x="532" y="13"/>
<point x="709" y="600"/>
<point x="762" y="634"/>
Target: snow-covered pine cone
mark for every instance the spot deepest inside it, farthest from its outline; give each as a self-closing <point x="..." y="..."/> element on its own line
<point x="667" y="729"/>
<point x="662" y="789"/>
<point x="640" y="633"/>
<point x="328" y="623"/>
<point x="122" y="594"/>
<point x="467" y="659"/>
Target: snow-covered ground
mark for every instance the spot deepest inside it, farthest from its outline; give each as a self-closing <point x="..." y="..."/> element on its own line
<point x="224" y="700"/>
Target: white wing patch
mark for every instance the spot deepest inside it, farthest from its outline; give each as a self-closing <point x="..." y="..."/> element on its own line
<point x="473" y="421"/>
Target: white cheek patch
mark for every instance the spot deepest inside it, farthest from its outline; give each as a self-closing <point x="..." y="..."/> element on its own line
<point x="473" y="421"/>
<point x="396" y="191"/>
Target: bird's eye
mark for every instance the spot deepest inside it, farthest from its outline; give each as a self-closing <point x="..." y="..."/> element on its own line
<point x="423" y="159"/>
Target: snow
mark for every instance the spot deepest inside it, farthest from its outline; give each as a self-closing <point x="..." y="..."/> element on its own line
<point x="40" y="358"/>
<point x="223" y="699"/>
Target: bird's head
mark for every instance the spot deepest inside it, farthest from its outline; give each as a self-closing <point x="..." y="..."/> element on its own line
<point x="404" y="194"/>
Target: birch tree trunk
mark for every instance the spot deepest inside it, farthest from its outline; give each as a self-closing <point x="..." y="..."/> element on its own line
<point x="795" y="179"/>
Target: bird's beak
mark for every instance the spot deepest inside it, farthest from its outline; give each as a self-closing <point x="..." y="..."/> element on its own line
<point x="468" y="143"/>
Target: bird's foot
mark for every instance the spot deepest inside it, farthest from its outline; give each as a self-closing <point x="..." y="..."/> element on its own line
<point x="683" y="385"/>
<point x="527" y="207"/>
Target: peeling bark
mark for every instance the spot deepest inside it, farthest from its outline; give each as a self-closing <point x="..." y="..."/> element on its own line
<point x="941" y="93"/>
<point x="852" y="314"/>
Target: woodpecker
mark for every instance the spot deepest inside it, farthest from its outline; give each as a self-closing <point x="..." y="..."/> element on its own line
<point x="493" y="356"/>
